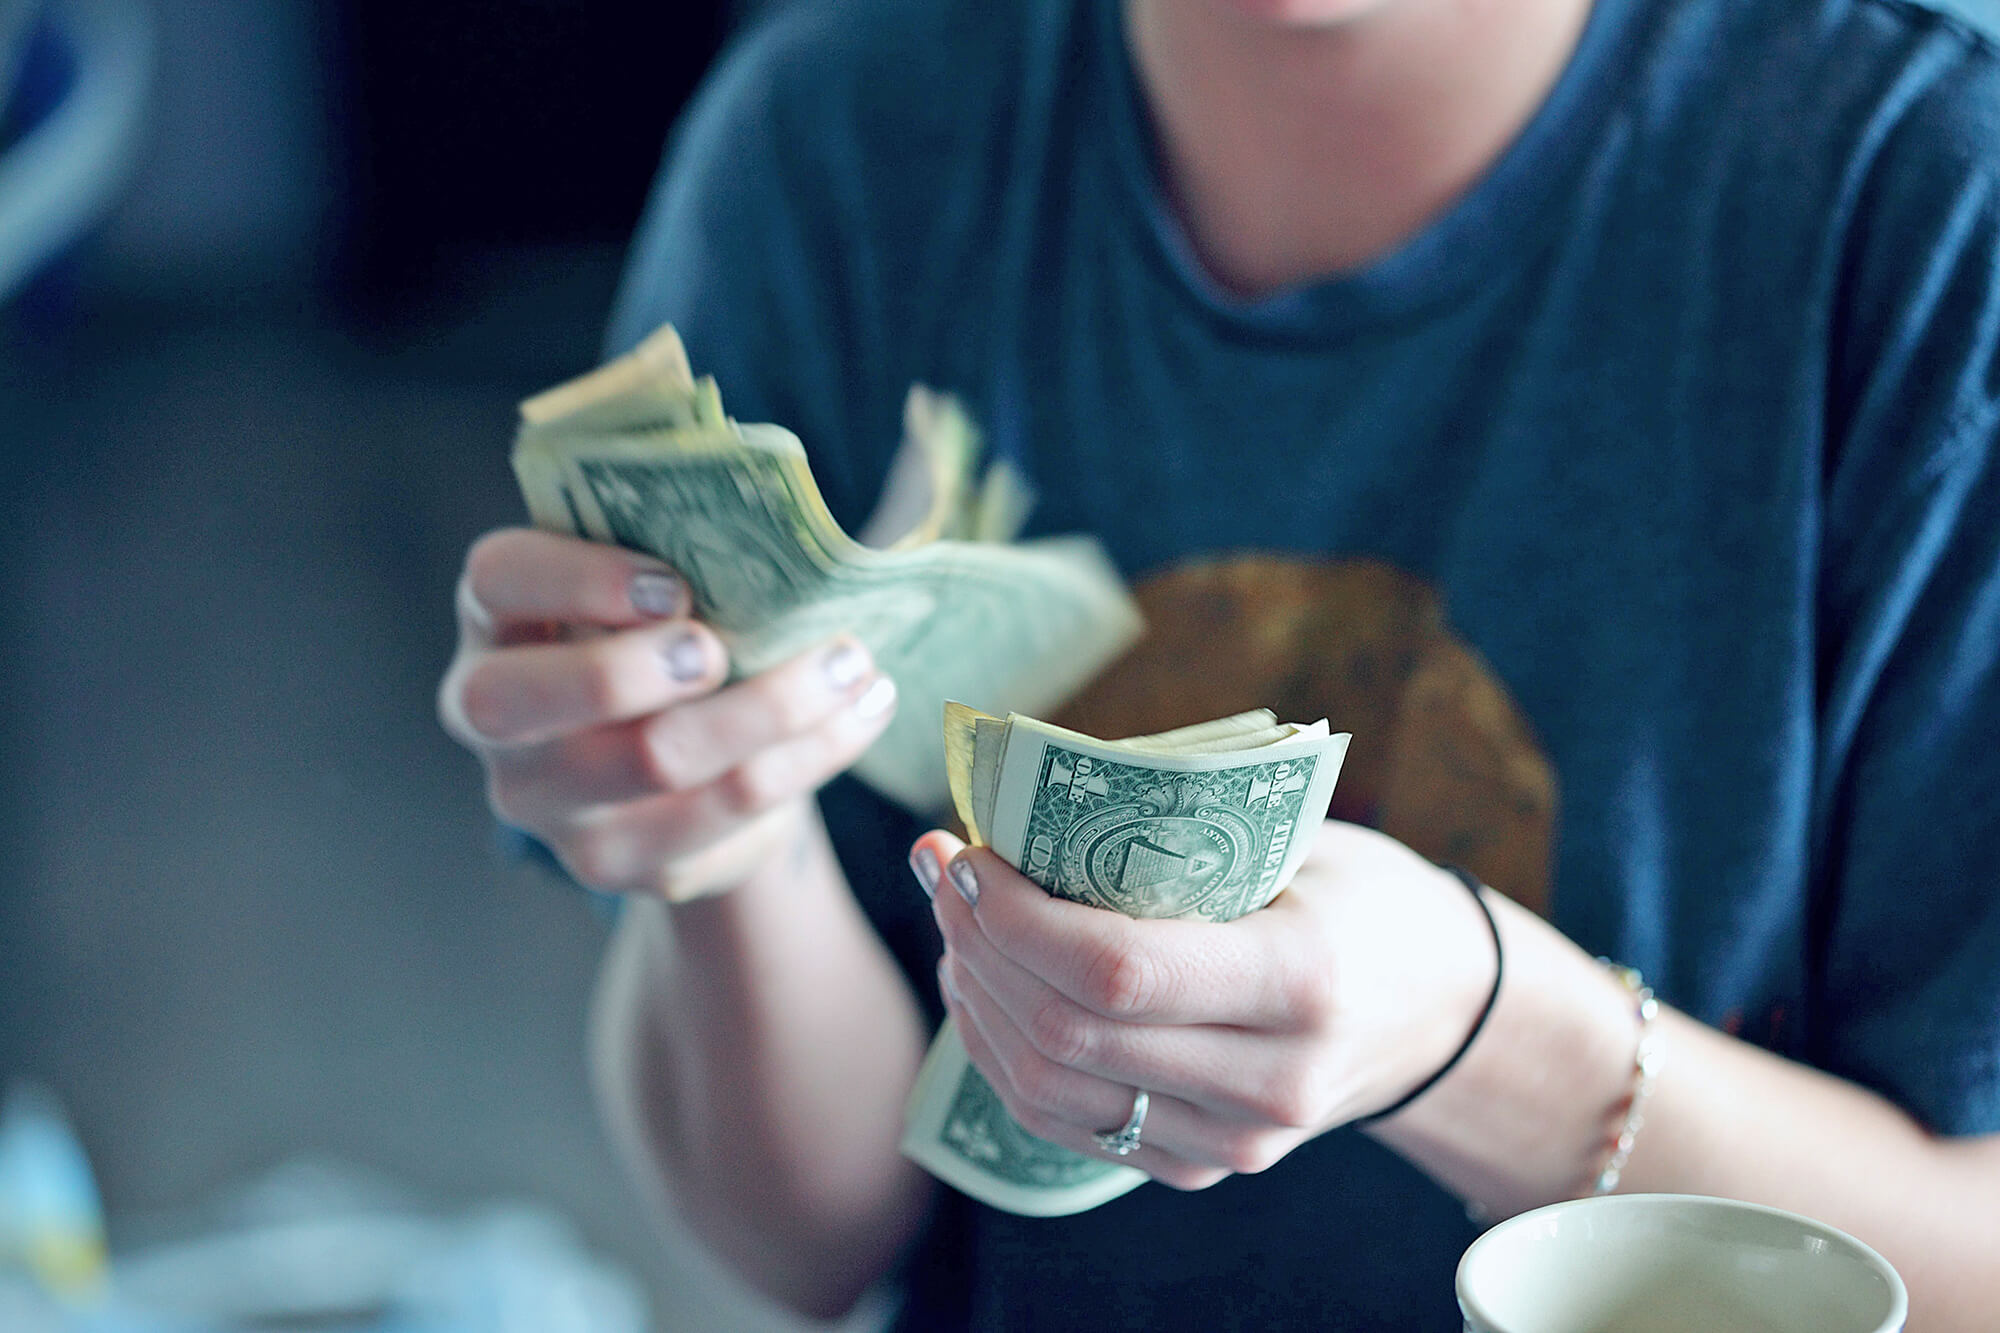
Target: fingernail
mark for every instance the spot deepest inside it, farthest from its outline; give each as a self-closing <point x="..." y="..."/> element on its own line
<point x="877" y="699"/>
<point x="661" y="595"/>
<point x="924" y="864"/>
<point x="687" y="660"/>
<point x="950" y="986"/>
<point x="844" y="665"/>
<point x="965" y="881"/>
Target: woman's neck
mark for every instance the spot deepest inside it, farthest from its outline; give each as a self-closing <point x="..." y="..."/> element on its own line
<point x="1293" y="152"/>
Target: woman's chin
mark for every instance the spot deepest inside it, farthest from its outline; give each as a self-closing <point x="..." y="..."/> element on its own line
<point x="1302" y="13"/>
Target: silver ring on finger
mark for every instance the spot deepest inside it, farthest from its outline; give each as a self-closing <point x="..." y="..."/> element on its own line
<point x="1124" y="1141"/>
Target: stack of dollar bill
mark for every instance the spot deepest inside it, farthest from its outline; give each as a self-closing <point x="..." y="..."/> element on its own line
<point x="640" y="453"/>
<point x="1208" y="822"/>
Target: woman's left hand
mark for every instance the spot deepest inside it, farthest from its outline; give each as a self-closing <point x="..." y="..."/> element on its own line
<point x="1350" y="988"/>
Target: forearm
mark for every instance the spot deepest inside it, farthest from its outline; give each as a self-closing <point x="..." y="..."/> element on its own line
<point x="1519" y="1122"/>
<point x="753" y="1051"/>
<point x="1731" y="1119"/>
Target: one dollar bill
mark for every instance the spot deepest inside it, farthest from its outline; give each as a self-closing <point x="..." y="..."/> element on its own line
<point x="640" y="453"/>
<point x="1208" y="822"/>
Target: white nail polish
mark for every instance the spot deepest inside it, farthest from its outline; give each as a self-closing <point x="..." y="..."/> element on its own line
<point x="876" y="700"/>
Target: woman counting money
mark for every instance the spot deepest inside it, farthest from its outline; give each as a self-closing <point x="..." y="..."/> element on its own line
<point x="1590" y="404"/>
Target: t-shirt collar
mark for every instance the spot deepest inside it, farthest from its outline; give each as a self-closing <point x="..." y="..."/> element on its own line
<point x="1499" y="223"/>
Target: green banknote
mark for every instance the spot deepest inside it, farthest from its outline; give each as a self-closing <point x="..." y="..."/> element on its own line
<point x="1207" y="823"/>
<point x="639" y="453"/>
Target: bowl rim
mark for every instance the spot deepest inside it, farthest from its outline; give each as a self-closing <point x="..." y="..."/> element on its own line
<point x="1899" y="1296"/>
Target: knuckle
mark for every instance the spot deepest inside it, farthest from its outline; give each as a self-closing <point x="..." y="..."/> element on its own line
<point x="1059" y="1033"/>
<point x="1250" y="1153"/>
<point x="728" y="729"/>
<point x="749" y="788"/>
<point x="1040" y="1087"/>
<point x="487" y="702"/>
<point x="487" y="561"/>
<point x="1313" y="997"/>
<point x="1119" y="980"/>
<point x="486" y="550"/>
<point x="1189" y="1178"/>
<point x="1240" y="1159"/>
<point x="504" y="800"/>
<point x="1290" y="1098"/>
<point x="722" y="729"/>
<point x="596" y="859"/>
<point x="786" y="703"/>
<point x="668" y="758"/>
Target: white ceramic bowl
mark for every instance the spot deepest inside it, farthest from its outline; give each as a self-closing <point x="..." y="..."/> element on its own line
<point x="1674" y="1263"/>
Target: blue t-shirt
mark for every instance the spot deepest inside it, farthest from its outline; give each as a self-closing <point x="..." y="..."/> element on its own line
<point x="1643" y="506"/>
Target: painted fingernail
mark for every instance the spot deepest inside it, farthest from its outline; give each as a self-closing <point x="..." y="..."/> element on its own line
<point x="661" y="595"/>
<point x="965" y="881"/>
<point x="844" y="665"/>
<point x="924" y="864"/>
<point x="687" y="659"/>
<point x="876" y="700"/>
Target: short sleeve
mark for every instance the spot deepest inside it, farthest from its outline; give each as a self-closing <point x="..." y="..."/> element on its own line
<point x="1906" y="930"/>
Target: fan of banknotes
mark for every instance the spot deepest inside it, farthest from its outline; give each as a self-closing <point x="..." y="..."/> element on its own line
<point x="1208" y="822"/>
<point x="640" y="453"/>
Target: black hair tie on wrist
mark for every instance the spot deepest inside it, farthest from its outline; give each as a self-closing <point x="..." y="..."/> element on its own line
<point x="1478" y="1024"/>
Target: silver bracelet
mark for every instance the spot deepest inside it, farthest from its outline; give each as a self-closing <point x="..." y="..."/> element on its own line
<point x="1645" y="1067"/>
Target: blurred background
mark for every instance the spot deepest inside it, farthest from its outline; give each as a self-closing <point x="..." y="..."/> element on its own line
<point x="273" y="274"/>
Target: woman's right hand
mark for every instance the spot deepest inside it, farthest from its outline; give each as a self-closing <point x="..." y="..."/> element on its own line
<point x="597" y="707"/>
